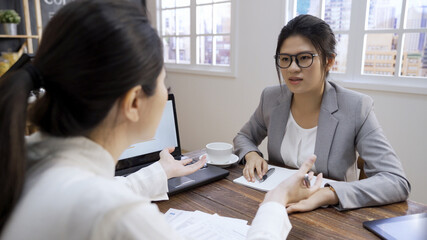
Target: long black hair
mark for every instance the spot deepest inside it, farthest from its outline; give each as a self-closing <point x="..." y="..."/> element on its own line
<point x="91" y="54"/>
<point x="314" y="29"/>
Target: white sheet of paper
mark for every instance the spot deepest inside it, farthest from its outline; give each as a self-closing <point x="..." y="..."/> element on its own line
<point x="277" y="177"/>
<point x="204" y="226"/>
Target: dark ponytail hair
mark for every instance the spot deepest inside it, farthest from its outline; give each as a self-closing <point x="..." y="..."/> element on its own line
<point x="314" y="29"/>
<point x="92" y="53"/>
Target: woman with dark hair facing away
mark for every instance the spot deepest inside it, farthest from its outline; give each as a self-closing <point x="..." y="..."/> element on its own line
<point x="310" y="115"/>
<point x="101" y="65"/>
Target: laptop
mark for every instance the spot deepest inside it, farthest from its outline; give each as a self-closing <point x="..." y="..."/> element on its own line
<point x="145" y="153"/>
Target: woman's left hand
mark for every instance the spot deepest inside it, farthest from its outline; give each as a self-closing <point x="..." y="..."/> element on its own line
<point x="322" y="197"/>
<point x="178" y="168"/>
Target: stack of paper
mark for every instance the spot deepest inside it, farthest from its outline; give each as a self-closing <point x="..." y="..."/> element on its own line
<point x="277" y="177"/>
<point x="204" y="226"/>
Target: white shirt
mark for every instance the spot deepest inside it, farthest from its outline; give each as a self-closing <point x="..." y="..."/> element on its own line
<point x="70" y="192"/>
<point x="298" y="144"/>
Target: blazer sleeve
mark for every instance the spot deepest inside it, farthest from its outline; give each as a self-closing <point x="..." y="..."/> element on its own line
<point x="386" y="182"/>
<point x="252" y="133"/>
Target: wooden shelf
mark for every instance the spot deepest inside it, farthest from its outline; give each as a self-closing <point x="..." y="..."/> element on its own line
<point x="19" y="36"/>
<point x="28" y="34"/>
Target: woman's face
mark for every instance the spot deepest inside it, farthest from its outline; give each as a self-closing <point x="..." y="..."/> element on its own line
<point x="302" y="80"/>
<point x="153" y="108"/>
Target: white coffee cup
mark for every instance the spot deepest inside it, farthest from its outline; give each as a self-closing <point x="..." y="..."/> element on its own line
<point x="219" y="152"/>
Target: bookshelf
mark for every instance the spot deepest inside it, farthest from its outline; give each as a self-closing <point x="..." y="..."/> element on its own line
<point x="28" y="35"/>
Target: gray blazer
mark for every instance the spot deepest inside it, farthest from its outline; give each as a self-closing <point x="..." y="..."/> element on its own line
<point x="347" y="124"/>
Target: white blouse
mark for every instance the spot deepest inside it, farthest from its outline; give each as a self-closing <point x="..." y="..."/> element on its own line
<point x="298" y="144"/>
<point x="70" y="192"/>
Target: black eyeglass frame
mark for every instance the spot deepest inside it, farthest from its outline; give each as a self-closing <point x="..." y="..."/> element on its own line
<point x="296" y="59"/>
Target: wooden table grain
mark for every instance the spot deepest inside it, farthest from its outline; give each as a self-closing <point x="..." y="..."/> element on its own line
<point x="233" y="200"/>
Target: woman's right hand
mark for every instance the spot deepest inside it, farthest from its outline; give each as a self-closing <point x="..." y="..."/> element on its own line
<point x="255" y="164"/>
<point x="178" y="168"/>
<point x="293" y="189"/>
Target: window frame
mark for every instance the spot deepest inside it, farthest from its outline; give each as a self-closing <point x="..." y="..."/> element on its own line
<point x="202" y="69"/>
<point x="353" y="77"/>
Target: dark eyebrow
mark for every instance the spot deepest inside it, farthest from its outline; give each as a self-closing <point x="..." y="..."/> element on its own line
<point x="297" y="53"/>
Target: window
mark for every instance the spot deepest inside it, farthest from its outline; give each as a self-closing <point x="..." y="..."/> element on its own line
<point x="197" y="35"/>
<point x="382" y="43"/>
<point x="175" y="31"/>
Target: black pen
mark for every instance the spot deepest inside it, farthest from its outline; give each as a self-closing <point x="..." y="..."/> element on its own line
<point x="267" y="174"/>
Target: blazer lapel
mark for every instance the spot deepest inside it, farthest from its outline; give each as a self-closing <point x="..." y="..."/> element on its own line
<point x="278" y="120"/>
<point x="326" y="128"/>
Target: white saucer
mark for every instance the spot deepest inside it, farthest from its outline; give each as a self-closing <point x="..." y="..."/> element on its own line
<point x="233" y="159"/>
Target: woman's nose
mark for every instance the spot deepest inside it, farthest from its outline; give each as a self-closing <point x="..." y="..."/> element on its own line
<point x="294" y="66"/>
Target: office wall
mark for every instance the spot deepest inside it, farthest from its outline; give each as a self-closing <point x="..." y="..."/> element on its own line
<point x="215" y="108"/>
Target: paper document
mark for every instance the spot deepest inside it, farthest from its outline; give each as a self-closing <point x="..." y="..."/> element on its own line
<point x="204" y="226"/>
<point x="277" y="177"/>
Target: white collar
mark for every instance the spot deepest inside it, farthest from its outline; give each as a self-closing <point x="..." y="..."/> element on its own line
<point x="77" y="151"/>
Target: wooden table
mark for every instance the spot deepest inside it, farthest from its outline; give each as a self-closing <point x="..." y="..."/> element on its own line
<point x="233" y="200"/>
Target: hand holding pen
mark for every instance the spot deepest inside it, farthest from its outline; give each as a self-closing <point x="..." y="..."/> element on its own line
<point x="294" y="188"/>
<point x="255" y="167"/>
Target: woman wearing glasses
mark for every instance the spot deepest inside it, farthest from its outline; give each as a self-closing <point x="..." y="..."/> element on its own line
<point x="309" y="114"/>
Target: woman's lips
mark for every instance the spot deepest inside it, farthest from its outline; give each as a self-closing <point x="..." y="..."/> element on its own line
<point x="294" y="80"/>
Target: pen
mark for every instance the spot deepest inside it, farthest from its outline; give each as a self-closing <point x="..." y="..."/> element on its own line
<point x="267" y="174"/>
<point x="306" y="180"/>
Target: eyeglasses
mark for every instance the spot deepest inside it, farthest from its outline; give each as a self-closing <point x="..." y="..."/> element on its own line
<point x="303" y="60"/>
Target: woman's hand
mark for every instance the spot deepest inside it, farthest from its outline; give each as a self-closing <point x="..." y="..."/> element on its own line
<point x="176" y="168"/>
<point x="254" y="163"/>
<point x="323" y="197"/>
<point x="293" y="189"/>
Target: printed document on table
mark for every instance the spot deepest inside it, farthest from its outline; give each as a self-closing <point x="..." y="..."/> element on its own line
<point x="277" y="177"/>
<point x="204" y="226"/>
